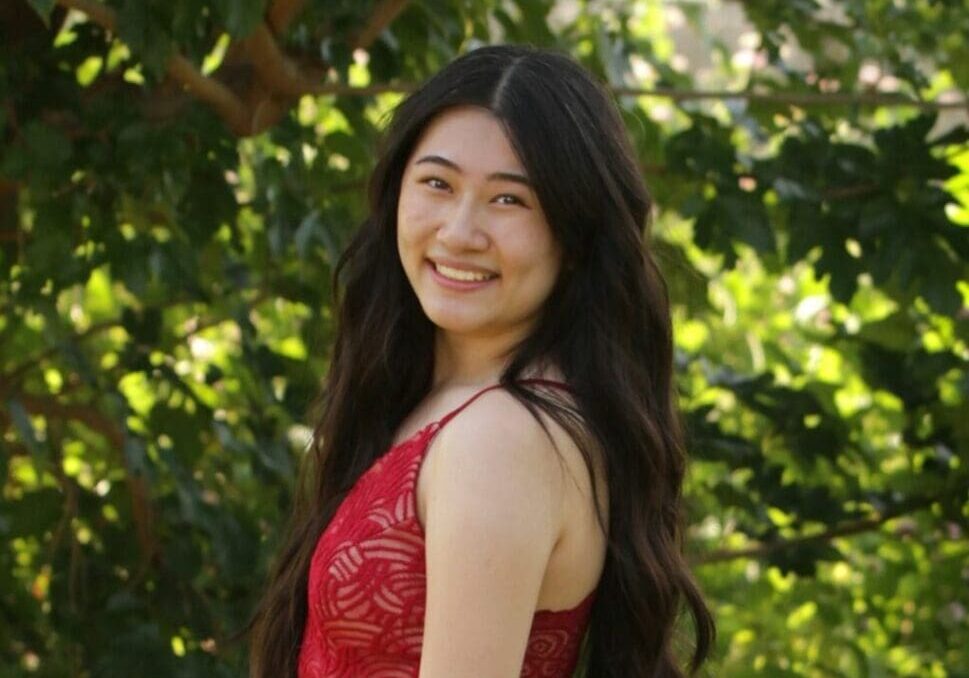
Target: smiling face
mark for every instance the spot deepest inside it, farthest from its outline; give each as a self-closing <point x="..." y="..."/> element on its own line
<point x="472" y="237"/>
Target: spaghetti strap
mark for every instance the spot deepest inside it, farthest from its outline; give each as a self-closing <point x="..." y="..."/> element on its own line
<point x="453" y="413"/>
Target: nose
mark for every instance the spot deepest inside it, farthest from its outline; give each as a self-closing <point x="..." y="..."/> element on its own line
<point x="459" y="229"/>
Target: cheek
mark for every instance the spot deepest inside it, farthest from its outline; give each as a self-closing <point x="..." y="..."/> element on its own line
<point x="408" y="225"/>
<point x="413" y="219"/>
<point x="533" y="248"/>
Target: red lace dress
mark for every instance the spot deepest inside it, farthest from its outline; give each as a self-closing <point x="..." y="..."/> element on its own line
<point x="366" y="591"/>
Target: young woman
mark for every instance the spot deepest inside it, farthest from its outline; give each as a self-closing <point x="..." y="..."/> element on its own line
<point x="497" y="465"/>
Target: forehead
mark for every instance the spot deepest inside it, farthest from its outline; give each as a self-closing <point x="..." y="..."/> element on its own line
<point x="471" y="137"/>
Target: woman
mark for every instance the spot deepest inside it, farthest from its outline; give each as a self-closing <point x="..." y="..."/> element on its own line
<point x="497" y="465"/>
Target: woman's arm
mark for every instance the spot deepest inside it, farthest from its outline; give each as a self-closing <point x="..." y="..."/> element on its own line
<point x="493" y="517"/>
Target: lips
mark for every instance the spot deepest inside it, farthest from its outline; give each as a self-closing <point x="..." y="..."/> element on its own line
<point x="460" y="277"/>
<point x="457" y="265"/>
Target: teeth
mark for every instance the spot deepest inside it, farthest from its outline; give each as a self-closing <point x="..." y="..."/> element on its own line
<point x="457" y="274"/>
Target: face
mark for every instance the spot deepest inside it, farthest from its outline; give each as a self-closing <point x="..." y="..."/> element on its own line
<point x="472" y="237"/>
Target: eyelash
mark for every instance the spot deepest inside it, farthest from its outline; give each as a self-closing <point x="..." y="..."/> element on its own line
<point x="517" y="200"/>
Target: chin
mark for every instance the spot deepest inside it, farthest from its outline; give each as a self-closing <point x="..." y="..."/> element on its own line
<point x="451" y="320"/>
<point x="449" y="323"/>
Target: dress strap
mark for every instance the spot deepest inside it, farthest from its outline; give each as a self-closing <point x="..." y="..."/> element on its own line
<point x="453" y="413"/>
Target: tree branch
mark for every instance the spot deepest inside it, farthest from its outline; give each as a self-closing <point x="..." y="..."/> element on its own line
<point x="12" y="378"/>
<point x="282" y="13"/>
<point x="280" y="74"/>
<point x="281" y="79"/>
<point x="141" y="510"/>
<point x="848" y="529"/>
<point x="229" y="107"/>
<point x="840" y="192"/>
<point x="276" y="71"/>
<point x="10" y="381"/>
<point x="805" y="99"/>
<point x="69" y="512"/>
<point x="383" y="14"/>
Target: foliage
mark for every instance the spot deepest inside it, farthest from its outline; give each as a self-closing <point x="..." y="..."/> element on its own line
<point x="177" y="178"/>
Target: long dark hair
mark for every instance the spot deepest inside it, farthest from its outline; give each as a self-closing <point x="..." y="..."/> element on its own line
<point x="606" y="325"/>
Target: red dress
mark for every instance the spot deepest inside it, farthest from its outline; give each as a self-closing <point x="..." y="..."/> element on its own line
<point x="366" y="591"/>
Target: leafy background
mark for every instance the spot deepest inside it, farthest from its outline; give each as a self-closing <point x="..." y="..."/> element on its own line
<point x="178" y="176"/>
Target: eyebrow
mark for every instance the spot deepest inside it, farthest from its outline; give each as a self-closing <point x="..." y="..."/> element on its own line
<point x="500" y="176"/>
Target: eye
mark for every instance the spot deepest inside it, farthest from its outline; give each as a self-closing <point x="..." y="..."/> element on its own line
<point x="514" y="199"/>
<point x="434" y="182"/>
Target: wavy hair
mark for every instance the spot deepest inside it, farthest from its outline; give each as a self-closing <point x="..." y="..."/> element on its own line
<point x="606" y="325"/>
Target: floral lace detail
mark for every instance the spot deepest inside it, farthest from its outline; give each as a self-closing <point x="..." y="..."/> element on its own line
<point x="367" y="586"/>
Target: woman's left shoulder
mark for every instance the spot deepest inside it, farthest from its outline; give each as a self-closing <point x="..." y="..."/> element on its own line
<point x="499" y="422"/>
<point x="497" y="437"/>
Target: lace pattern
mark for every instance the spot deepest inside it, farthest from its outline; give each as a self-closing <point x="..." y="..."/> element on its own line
<point x="367" y="586"/>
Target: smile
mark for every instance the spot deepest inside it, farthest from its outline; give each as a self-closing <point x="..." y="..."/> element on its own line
<point x="460" y="279"/>
<point x="458" y="274"/>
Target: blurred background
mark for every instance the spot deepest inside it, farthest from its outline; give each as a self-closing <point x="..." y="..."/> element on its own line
<point x="177" y="178"/>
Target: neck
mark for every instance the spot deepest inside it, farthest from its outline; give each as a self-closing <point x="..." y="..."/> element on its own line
<point x="467" y="361"/>
<point x="462" y="361"/>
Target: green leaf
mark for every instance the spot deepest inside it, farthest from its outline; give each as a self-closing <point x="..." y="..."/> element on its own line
<point x="25" y="427"/>
<point x="142" y="27"/>
<point x="43" y="8"/>
<point x="144" y="326"/>
<point x="34" y="513"/>
<point x="896" y="332"/>
<point x="747" y="221"/>
<point x="878" y="216"/>
<point x="241" y="16"/>
<point x="48" y="149"/>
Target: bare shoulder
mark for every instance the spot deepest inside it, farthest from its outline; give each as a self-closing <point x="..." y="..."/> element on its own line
<point x="497" y="440"/>
<point x="497" y="413"/>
